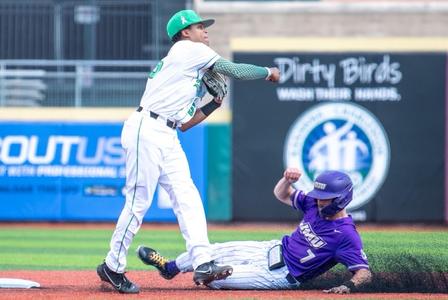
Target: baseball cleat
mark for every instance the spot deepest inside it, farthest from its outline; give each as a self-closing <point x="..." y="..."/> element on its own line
<point x="151" y="257"/>
<point x="208" y="272"/>
<point x="117" y="280"/>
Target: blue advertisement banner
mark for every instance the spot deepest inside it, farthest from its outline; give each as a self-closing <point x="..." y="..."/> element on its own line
<point x="75" y="171"/>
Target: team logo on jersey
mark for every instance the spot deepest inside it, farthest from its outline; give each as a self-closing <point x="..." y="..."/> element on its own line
<point x="344" y="137"/>
<point x="313" y="239"/>
<point x="156" y="69"/>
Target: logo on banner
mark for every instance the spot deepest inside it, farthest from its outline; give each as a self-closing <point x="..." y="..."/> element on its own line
<point x="63" y="156"/>
<point x="344" y="137"/>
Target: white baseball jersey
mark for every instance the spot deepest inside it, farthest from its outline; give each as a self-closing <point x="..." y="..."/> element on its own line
<point x="154" y="154"/>
<point x="175" y="85"/>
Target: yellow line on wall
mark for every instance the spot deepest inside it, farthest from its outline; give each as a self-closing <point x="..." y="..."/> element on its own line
<point x="331" y="44"/>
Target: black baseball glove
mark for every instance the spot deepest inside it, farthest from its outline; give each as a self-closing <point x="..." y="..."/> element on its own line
<point x="215" y="83"/>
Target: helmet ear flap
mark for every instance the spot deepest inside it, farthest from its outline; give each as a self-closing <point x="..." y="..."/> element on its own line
<point x="338" y="203"/>
<point x="329" y="210"/>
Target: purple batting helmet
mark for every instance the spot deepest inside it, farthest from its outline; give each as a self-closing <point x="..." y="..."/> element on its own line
<point x="333" y="185"/>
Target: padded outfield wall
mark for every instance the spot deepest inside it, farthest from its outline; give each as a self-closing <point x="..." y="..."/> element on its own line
<point x="374" y="108"/>
<point x="59" y="164"/>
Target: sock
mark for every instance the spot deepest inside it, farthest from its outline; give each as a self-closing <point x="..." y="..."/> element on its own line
<point x="171" y="267"/>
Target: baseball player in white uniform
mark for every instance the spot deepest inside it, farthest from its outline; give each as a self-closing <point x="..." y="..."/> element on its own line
<point x="155" y="156"/>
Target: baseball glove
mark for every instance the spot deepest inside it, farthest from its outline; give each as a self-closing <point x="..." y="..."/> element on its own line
<point x="215" y="83"/>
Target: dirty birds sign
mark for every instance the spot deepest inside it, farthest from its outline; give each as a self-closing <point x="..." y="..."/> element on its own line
<point x="375" y="116"/>
<point x="357" y="78"/>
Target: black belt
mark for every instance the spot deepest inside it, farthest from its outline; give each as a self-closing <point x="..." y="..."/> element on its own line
<point x="153" y="115"/>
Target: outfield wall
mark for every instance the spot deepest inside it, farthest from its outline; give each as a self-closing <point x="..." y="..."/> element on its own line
<point x="68" y="165"/>
<point x="403" y="106"/>
<point x="373" y="108"/>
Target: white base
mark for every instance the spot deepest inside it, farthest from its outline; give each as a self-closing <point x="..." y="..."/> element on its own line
<point x="12" y="283"/>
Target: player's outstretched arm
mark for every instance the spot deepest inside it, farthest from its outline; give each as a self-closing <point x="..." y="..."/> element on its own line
<point x="246" y="71"/>
<point x="360" y="278"/>
<point x="283" y="189"/>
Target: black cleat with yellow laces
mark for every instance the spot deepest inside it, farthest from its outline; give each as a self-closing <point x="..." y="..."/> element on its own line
<point x="151" y="257"/>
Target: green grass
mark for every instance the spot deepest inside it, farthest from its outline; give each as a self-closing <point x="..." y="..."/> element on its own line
<point x="407" y="251"/>
<point x="59" y="248"/>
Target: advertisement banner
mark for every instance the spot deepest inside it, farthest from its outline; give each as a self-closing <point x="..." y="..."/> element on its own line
<point x="379" y="117"/>
<point x="73" y="171"/>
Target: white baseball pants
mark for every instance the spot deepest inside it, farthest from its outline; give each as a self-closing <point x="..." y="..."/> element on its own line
<point x="154" y="155"/>
<point x="249" y="260"/>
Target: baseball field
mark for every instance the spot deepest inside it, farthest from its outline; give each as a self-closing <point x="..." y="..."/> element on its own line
<point x="407" y="262"/>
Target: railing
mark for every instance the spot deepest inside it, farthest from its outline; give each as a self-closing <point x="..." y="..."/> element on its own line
<point x="72" y="82"/>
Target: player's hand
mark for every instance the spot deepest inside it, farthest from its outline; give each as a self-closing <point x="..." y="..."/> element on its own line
<point x="275" y="75"/>
<point x="342" y="289"/>
<point x="292" y="175"/>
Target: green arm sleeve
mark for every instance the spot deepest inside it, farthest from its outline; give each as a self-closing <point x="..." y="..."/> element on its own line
<point x="239" y="71"/>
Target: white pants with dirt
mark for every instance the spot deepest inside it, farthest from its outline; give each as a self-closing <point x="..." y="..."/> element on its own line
<point x="154" y="155"/>
<point x="249" y="260"/>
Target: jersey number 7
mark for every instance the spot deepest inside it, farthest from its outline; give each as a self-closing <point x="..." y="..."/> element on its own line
<point x="309" y="257"/>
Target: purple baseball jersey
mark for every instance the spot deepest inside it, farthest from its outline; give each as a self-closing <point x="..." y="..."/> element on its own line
<point x="318" y="244"/>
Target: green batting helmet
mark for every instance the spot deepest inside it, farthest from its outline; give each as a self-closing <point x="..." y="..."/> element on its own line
<point x="183" y="19"/>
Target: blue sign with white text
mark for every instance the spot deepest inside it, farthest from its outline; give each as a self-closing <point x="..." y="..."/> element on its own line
<point x="76" y="171"/>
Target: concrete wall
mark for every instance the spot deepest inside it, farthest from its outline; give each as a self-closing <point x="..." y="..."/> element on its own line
<point x="323" y="19"/>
